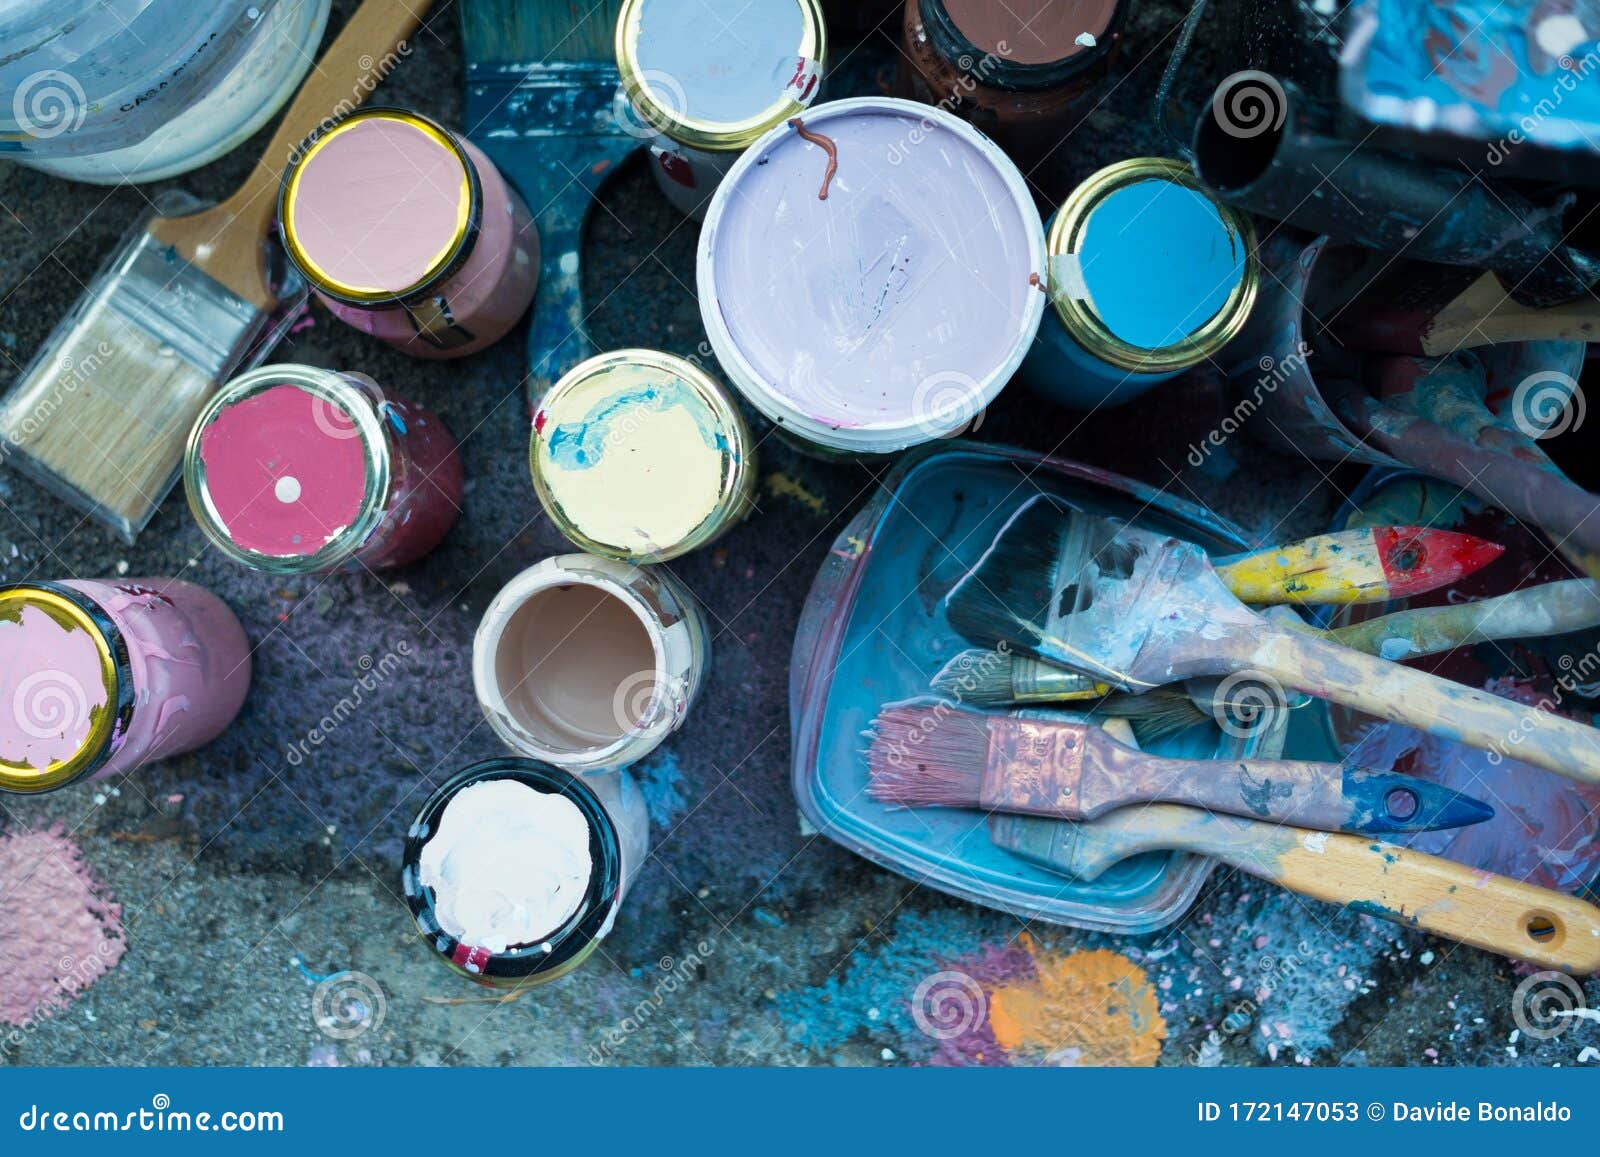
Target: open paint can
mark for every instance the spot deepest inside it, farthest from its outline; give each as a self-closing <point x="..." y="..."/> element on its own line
<point x="1022" y="71"/>
<point x="876" y="285"/>
<point x="641" y="455"/>
<point x="299" y="470"/>
<point x="702" y="79"/>
<point x="589" y="663"/>
<point x="1149" y="276"/>
<point x="409" y="233"/>
<point x="98" y="677"/>
<point x="515" y="870"/>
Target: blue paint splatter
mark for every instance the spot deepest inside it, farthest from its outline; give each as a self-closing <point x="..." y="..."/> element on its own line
<point x="661" y="784"/>
<point x="580" y="445"/>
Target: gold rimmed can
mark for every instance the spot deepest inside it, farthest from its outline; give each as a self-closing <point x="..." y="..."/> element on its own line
<point x="641" y="455"/>
<point x="1149" y="275"/>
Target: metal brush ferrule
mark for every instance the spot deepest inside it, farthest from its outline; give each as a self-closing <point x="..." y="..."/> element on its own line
<point x="1035" y="768"/>
<point x="1033" y="681"/>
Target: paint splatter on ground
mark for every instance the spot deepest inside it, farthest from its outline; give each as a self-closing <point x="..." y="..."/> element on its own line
<point x="661" y="784"/>
<point x="782" y="486"/>
<point x="59" y="930"/>
<point x="1081" y="1008"/>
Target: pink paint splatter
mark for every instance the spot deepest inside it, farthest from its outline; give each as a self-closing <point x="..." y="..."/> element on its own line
<point x="60" y="930"/>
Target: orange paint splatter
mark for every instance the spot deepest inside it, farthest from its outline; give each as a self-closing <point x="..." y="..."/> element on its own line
<point x="1084" y="1008"/>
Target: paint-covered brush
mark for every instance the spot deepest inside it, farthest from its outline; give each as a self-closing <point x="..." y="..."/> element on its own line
<point x="1149" y="610"/>
<point x="1368" y="565"/>
<point x="1435" y="310"/>
<point x="939" y="756"/>
<point x="102" y="415"/>
<point x="1426" y="893"/>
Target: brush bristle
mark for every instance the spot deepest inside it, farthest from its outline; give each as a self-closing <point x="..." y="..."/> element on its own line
<point x="539" y="31"/>
<point x="980" y="677"/>
<point x="1156" y="715"/>
<point x="1007" y="597"/>
<point x="928" y="756"/>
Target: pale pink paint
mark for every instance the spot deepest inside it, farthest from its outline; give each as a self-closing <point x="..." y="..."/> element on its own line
<point x="286" y="471"/>
<point x="60" y="930"/>
<point x="375" y="205"/>
<point x="51" y="685"/>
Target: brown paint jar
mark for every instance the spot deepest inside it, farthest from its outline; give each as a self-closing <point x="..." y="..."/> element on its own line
<point x="1022" y="72"/>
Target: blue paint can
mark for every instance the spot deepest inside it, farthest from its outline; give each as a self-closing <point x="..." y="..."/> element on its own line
<point x="1148" y="276"/>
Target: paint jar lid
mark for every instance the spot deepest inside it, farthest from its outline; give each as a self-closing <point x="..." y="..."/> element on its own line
<point x="716" y="74"/>
<point x="379" y="207"/>
<point x="1021" y="45"/>
<point x="564" y="948"/>
<point x="641" y="455"/>
<point x="1147" y="271"/>
<point x="890" y="312"/>
<point x="288" y="467"/>
<point x="66" y="686"/>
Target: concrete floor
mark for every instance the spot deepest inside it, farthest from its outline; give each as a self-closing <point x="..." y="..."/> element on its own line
<point x="246" y="880"/>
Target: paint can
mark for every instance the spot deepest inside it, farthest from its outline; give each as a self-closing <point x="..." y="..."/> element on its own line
<point x="641" y="455"/>
<point x="101" y="676"/>
<point x="1149" y="276"/>
<point x="409" y="233"/>
<point x="889" y="312"/>
<point x="300" y="470"/>
<point x="589" y="663"/>
<point x="702" y="79"/>
<point x="1023" y="72"/>
<point x="613" y="817"/>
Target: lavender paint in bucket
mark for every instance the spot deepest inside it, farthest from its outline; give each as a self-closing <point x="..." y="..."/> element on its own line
<point x="880" y="297"/>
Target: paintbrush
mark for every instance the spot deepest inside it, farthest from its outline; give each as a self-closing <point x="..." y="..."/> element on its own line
<point x="934" y="755"/>
<point x="1365" y="565"/>
<point x="989" y="678"/>
<point x="173" y="314"/>
<point x="1428" y="893"/>
<point x="1149" y="610"/>
<point x="543" y="92"/>
<point x="1437" y="309"/>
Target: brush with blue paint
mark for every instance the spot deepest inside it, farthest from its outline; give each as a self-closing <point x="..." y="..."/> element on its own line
<point x="542" y="93"/>
<point x="935" y="755"/>
<point x="1150" y="610"/>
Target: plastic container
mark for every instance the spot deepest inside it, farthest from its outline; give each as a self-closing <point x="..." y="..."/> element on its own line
<point x="100" y="676"/>
<point x="409" y="233"/>
<point x="702" y="79"/>
<point x="589" y="663"/>
<point x="890" y="312"/>
<point x="619" y="826"/>
<point x="1148" y="277"/>
<point x="300" y="470"/>
<point x="1010" y="69"/>
<point x="107" y="91"/>
<point x="873" y="632"/>
<point x="641" y="456"/>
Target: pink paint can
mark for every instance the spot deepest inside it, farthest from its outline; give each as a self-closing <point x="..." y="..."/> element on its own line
<point x="409" y="233"/>
<point x="299" y="470"/>
<point x="98" y="677"/>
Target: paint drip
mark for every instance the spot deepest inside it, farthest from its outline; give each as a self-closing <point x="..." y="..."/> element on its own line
<point x="60" y="929"/>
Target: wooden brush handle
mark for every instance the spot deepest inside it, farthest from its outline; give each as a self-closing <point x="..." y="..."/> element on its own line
<point x="1492" y="912"/>
<point x="1549" y="609"/>
<point x="225" y="241"/>
<point x="1390" y="691"/>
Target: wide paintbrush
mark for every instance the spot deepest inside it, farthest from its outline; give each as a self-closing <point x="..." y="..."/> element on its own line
<point x="1427" y="893"/>
<point x="932" y="755"/>
<point x="1149" y="610"/>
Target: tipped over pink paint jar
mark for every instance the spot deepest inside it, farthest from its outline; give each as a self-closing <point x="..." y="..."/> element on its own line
<point x="98" y="677"/>
<point x="409" y="233"/>
<point x="299" y="470"/>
